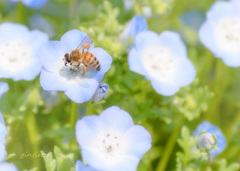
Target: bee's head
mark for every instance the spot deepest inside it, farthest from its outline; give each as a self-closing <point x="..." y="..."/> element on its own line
<point x="67" y="58"/>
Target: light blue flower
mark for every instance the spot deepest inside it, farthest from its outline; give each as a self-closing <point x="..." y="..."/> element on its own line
<point x="212" y="129"/>
<point x="5" y="166"/>
<point x="3" y="132"/>
<point x="32" y="3"/>
<point x="111" y="141"/>
<point x="163" y="60"/>
<point x="18" y="51"/>
<point x="220" y="32"/>
<point x="128" y="4"/>
<point x="3" y="88"/>
<point x="101" y="92"/>
<point x="82" y="167"/>
<point x="136" y="25"/>
<point x="56" y="76"/>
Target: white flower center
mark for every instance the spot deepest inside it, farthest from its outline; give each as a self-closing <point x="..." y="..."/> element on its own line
<point x="110" y="145"/>
<point x="159" y="63"/>
<point x="73" y="73"/>
<point x="15" y="55"/>
<point x="227" y="33"/>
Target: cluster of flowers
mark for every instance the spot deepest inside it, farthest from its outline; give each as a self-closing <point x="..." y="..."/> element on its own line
<point x="111" y="141"/>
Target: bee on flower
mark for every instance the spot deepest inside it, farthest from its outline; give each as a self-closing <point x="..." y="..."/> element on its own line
<point x="73" y="65"/>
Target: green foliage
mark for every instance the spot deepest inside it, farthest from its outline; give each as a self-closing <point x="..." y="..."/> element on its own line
<point x="60" y="163"/>
<point x="190" y="158"/>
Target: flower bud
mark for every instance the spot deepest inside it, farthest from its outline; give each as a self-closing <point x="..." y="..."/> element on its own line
<point x="101" y="92"/>
<point x="206" y="141"/>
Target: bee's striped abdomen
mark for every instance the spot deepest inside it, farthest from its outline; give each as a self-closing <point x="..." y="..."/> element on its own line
<point x="91" y="60"/>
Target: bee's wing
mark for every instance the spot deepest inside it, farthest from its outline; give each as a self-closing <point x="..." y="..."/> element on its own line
<point x="85" y="40"/>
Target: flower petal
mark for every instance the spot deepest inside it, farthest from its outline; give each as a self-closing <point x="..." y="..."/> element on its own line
<point x="8" y="167"/>
<point x="82" y="92"/>
<point x="140" y="140"/>
<point x="165" y="88"/>
<point x="51" y="81"/>
<point x="134" y="62"/>
<point x="72" y="39"/>
<point x="3" y="88"/>
<point x="116" y="118"/>
<point x="49" y="54"/>
<point x="86" y="130"/>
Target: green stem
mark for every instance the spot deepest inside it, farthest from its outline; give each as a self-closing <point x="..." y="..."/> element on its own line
<point x="20" y="12"/>
<point x="168" y="150"/>
<point x="73" y="120"/>
<point x="33" y="136"/>
<point x="208" y="162"/>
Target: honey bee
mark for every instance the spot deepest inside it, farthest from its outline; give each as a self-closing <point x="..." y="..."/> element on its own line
<point x="80" y="55"/>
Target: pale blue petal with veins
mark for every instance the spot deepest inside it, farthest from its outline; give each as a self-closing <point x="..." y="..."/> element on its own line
<point x="111" y="141"/>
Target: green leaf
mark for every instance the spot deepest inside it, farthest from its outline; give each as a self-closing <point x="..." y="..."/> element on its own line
<point x="232" y="167"/>
<point x="50" y="163"/>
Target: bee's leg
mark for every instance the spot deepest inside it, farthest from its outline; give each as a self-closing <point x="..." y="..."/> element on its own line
<point x="84" y="69"/>
<point x="78" y="66"/>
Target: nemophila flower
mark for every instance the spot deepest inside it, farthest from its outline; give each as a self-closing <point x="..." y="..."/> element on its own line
<point x="206" y="141"/>
<point x="38" y="22"/>
<point x="101" y="92"/>
<point x="212" y="129"/>
<point x="57" y="75"/>
<point x="3" y="88"/>
<point x="111" y="141"/>
<point x="220" y="33"/>
<point x="136" y="25"/>
<point x="32" y="3"/>
<point x="147" y="12"/>
<point x="128" y="4"/>
<point x="163" y="60"/>
<point x="5" y="166"/>
<point x="3" y="132"/>
<point x="82" y="167"/>
<point x="18" y="51"/>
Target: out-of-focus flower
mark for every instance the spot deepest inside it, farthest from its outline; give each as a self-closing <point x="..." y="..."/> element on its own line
<point x="220" y="32"/>
<point x="32" y="3"/>
<point x="50" y="97"/>
<point x="39" y="23"/>
<point x="101" y="92"/>
<point x="18" y="51"/>
<point x="3" y="132"/>
<point x="82" y="167"/>
<point x="136" y="25"/>
<point x="128" y="4"/>
<point x="56" y="76"/>
<point x="206" y="141"/>
<point x="111" y="141"/>
<point x="163" y="60"/>
<point x="5" y="166"/>
<point x="3" y="88"/>
<point x="212" y="129"/>
<point x="147" y="12"/>
<point x="193" y="19"/>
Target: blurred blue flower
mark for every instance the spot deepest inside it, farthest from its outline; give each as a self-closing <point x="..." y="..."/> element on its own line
<point x="147" y="12"/>
<point x="3" y="132"/>
<point x="5" y="166"/>
<point x="56" y="76"/>
<point x="163" y="60"/>
<point x="32" y="3"/>
<point x="111" y="141"/>
<point x="18" y="51"/>
<point x="82" y="167"/>
<point x="128" y="4"/>
<point x="193" y="18"/>
<point x="136" y="25"/>
<point x="3" y="88"/>
<point x="220" y="32"/>
<point x="101" y="92"/>
<point x="38" y="22"/>
<point x="213" y="129"/>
